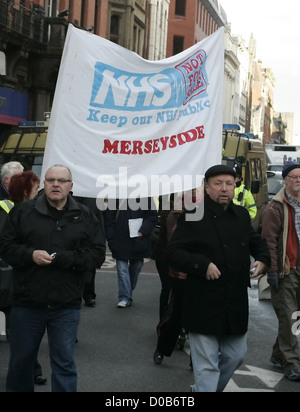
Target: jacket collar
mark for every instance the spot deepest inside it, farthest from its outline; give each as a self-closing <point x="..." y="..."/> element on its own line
<point x="216" y="208"/>
<point x="3" y="191"/>
<point x="41" y="204"/>
<point x="281" y="197"/>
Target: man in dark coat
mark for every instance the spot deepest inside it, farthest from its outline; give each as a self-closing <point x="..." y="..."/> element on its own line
<point x="215" y="254"/>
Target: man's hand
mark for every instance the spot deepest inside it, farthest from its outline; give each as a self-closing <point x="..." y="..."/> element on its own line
<point x="273" y="280"/>
<point x="213" y="272"/>
<point x="257" y="268"/>
<point x="42" y="258"/>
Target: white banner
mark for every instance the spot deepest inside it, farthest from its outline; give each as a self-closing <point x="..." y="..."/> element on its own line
<point x="128" y="127"/>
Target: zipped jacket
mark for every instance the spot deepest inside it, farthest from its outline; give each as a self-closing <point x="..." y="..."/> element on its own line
<point x="278" y="228"/>
<point x="78" y="240"/>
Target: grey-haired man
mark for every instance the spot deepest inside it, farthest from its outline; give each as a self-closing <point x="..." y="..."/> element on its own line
<point x="7" y="171"/>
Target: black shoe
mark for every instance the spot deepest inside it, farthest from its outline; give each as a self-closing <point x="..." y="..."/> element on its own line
<point x="91" y="303"/>
<point x="158" y="357"/>
<point x="40" y="380"/>
<point x="292" y="374"/>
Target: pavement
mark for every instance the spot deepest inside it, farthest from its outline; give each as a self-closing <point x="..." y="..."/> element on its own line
<point x="115" y="346"/>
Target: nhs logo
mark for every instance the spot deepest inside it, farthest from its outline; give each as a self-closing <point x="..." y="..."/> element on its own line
<point x="171" y="88"/>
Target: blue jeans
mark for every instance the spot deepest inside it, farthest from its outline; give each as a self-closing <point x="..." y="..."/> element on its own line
<point x="128" y="273"/>
<point x="215" y="359"/>
<point x="27" y="328"/>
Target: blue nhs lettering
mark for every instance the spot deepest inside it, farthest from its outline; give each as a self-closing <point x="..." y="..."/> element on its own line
<point x="117" y="89"/>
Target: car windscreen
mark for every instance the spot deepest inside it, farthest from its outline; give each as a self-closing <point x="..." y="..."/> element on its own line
<point x="274" y="185"/>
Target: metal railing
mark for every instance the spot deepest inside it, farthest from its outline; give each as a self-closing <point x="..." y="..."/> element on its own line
<point x="16" y="19"/>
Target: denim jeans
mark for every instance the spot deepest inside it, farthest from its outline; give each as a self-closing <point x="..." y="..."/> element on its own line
<point x="215" y="359"/>
<point x="27" y="328"/>
<point x="128" y="273"/>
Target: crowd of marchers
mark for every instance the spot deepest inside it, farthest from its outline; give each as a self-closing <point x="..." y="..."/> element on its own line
<point x="52" y="243"/>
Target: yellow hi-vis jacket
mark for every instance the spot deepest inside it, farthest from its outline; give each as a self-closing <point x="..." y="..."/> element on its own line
<point x="6" y="205"/>
<point x="244" y="197"/>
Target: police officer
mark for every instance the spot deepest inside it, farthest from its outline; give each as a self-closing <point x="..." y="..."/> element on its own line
<point x="242" y="195"/>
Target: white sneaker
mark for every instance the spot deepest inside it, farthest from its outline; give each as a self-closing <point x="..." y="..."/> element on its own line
<point x="123" y="304"/>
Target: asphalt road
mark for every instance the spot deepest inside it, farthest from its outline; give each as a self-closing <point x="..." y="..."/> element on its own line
<point x="115" y="348"/>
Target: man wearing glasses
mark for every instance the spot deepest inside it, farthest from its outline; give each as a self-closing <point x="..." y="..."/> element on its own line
<point x="51" y="242"/>
<point x="281" y="229"/>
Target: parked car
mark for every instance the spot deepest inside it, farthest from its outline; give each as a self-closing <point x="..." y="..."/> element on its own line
<point x="275" y="167"/>
<point x="275" y="183"/>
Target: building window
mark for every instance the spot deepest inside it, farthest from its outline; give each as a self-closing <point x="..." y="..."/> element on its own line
<point x="115" y="29"/>
<point x="178" y="44"/>
<point x="51" y="8"/>
<point x="180" y="8"/>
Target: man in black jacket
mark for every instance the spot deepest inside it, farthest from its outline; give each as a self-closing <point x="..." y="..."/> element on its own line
<point x="215" y="254"/>
<point x="51" y="242"/>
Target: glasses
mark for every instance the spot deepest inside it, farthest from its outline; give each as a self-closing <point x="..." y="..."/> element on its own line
<point x="294" y="177"/>
<point x="60" y="181"/>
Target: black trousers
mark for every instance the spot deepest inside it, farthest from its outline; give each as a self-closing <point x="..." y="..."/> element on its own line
<point x="170" y="328"/>
<point x="89" y="287"/>
<point x="37" y="370"/>
<point x="163" y="271"/>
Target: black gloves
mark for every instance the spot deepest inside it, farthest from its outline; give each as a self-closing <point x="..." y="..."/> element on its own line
<point x="273" y="280"/>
